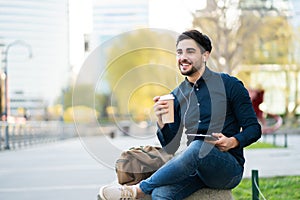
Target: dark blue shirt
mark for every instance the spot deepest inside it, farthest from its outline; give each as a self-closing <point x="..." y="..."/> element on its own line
<point x="216" y="103"/>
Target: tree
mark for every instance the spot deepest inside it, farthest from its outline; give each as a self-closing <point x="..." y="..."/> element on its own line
<point x="254" y="32"/>
<point x="244" y="32"/>
<point x="140" y="65"/>
<point x="83" y="95"/>
<point x="272" y="44"/>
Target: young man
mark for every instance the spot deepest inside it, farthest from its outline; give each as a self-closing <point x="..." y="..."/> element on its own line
<point x="208" y="103"/>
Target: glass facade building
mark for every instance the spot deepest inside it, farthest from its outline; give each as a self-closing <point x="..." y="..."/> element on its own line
<point x="113" y="17"/>
<point x="39" y="28"/>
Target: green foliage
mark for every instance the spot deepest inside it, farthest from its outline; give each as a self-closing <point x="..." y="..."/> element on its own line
<point x="272" y="43"/>
<point x="133" y="67"/>
<point x="140" y="103"/>
<point x="140" y="65"/>
<point x="243" y="35"/>
<point x="85" y="95"/>
<point x="275" y="188"/>
<point x="261" y="145"/>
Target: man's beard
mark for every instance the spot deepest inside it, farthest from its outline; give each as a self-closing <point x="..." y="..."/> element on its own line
<point x="189" y="72"/>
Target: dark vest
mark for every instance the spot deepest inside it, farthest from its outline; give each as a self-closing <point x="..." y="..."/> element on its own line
<point x="211" y="97"/>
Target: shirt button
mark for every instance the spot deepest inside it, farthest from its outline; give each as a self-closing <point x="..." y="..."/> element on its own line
<point x="199" y="121"/>
<point x="198" y="104"/>
<point x="197" y="89"/>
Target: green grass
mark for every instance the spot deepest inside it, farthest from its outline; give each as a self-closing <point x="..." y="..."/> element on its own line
<point x="262" y="145"/>
<point x="276" y="188"/>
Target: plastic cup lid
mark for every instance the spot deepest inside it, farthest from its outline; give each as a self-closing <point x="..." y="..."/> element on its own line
<point x="166" y="97"/>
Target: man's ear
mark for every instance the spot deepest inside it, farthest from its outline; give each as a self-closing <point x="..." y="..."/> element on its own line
<point x="205" y="56"/>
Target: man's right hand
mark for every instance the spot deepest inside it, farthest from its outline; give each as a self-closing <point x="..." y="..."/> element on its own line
<point x="160" y="107"/>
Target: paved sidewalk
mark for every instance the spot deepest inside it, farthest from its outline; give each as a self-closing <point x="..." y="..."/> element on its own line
<point x="53" y="171"/>
<point x="275" y="161"/>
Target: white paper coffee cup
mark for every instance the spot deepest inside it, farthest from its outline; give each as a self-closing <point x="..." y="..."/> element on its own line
<point x="169" y="116"/>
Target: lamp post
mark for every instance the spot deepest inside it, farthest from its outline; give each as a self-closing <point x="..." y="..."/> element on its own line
<point x="6" y="99"/>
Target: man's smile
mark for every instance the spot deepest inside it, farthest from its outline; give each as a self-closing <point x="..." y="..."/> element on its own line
<point x="184" y="65"/>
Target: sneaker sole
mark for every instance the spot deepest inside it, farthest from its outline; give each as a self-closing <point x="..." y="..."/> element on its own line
<point x="100" y="196"/>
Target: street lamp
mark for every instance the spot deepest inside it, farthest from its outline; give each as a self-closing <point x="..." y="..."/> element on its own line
<point x="5" y="60"/>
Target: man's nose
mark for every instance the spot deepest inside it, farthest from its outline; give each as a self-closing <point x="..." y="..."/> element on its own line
<point x="182" y="56"/>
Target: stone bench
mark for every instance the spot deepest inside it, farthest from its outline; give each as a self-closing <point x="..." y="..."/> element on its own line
<point x="202" y="194"/>
<point x="207" y="194"/>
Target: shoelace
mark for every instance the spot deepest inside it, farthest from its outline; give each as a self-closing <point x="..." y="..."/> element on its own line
<point x="126" y="193"/>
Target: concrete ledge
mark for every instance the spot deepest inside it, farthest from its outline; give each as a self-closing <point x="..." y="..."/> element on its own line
<point x="207" y="194"/>
<point x="211" y="194"/>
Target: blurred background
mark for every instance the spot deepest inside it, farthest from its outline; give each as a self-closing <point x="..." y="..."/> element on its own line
<point x="46" y="45"/>
<point x="92" y="67"/>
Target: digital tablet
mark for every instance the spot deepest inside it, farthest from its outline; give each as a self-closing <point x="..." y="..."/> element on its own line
<point x="209" y="137"/>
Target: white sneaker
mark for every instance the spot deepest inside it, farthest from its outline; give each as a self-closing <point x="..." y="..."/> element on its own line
<point x="119" y="192"/>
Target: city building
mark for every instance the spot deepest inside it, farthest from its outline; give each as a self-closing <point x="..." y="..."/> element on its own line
<point x="34" y="45"/>
<point x="113" y="17"/>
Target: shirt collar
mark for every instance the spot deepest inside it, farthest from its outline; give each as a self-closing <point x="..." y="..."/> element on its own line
<point x="205" y="76"/>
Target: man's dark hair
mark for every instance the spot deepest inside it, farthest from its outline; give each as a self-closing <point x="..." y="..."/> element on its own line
<point x="201" y="39"/>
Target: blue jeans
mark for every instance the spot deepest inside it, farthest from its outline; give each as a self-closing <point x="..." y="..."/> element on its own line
<point x="201" y="165"/>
